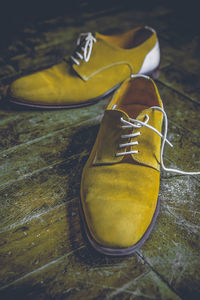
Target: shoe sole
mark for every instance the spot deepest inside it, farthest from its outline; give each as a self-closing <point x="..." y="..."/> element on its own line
<point x="149" y="67"/>
<point x="88" y="103"/>
<point x="119" y="251"/>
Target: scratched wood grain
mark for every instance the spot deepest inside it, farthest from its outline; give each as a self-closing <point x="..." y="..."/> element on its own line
<point x="44" y="253"/>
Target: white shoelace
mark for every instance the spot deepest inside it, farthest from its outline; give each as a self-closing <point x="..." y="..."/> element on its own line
<point x="139" y="124"/>
<point x="87" y="49"/>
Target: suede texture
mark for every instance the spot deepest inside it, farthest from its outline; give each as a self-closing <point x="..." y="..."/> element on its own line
<point x="119" y="194"/>
<point x="112" y="60"/>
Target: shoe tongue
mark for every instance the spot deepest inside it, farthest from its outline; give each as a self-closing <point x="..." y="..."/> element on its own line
<point x="123" y="114"/>
<point x="149" y="142"/>
<point x="143" y="113"/>
<point x="140" y="117"/>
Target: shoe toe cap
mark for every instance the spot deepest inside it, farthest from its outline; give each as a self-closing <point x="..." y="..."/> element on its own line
<point x="29" y="88"/>
<point x="118" y="227"/>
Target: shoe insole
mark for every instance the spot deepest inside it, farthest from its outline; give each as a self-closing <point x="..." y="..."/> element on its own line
<point x="132" y="110"/>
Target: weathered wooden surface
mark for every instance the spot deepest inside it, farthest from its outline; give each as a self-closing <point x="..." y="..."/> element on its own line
<point x="44" y="253"/>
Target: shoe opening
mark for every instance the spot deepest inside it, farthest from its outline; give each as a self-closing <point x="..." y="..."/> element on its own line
<point x="137" y="94"/>
<point x="128" y="40"/>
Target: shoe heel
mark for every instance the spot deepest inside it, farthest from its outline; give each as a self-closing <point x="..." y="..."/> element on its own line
<point x="151" y="62"/>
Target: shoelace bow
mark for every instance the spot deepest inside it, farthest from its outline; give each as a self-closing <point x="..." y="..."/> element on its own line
<point x="139" y="124"/>
<point x="87" y="49"/>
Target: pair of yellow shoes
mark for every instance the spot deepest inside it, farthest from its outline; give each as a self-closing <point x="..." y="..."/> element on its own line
<point x="120" y="181"/>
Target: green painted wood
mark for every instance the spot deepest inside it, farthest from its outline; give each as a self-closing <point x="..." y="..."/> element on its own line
<point x="36" y="194"/>
<point x="25" y="126"/>
<point x="178" y="78"/>
<point x="179" y="57"/>
<point x="44" y="253"/>
<point x="53" y="233"/>
<point x="173" y="250"/>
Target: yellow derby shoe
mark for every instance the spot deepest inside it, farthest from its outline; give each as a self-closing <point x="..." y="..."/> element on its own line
<point x="98" y="66"/>
<point x="120" y="181"/>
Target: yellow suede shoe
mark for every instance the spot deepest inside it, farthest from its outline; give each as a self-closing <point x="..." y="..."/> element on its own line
<point x="99" y="64"/>
<point x="120" y="181"/>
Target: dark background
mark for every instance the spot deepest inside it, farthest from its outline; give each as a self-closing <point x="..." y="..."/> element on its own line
<point x="14" y="15"/>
